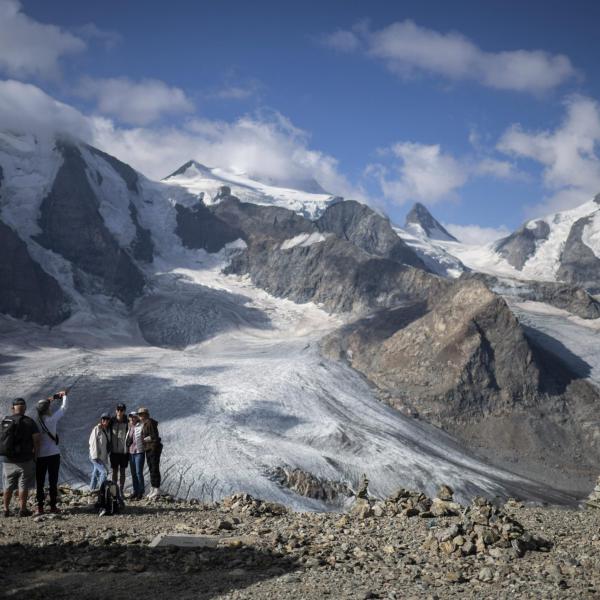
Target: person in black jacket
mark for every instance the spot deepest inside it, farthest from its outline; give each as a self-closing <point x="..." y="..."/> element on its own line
<point x="153" y="448"/>
<point x="20" y="443"/>
<point x="119" y="457"/>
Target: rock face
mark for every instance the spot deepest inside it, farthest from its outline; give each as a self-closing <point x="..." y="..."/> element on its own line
<point x="257" y="222"/>
<point x="521" y="245"/>
<point x="369" y="231"/>
<point x="578" y="263"/>
<point x="292" y="257"/>
<point x="463" y="362"/>
<point x="571" y="298"/>
<point x="333" y="273"/>
<point x="198" y="227"/>
<point x="72" y="226"/>
<point x="28" y="292"/>
<point x="421" y="220"/>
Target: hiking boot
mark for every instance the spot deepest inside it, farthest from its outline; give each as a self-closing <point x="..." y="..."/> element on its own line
<point x="55" y="510"/>
<point x="25" y="513"/>
<point x="7" y="513"/>
<point x="39" y="510"/>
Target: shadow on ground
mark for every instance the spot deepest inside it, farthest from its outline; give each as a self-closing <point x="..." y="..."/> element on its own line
<point x="68" y="570"/>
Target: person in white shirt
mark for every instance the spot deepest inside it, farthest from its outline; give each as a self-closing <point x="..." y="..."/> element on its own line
<point x="48" y="456"/>
<point x="99" y="447"/>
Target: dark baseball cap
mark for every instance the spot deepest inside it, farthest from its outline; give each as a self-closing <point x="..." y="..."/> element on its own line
<point x="104" y="416"/>
<point x="121" y="406"/>
<point x="19" y="402"/>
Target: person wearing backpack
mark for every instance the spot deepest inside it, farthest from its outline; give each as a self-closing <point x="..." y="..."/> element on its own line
<point x="153" y="448"/>
<point x="48" y="458"/>
<point x="19" y="444"/>
<point x="137" y="456"/>
<point x="99" y="447"/>
<point x="119" y="457"/>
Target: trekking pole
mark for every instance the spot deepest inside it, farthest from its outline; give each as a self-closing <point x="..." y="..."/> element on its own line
<point x="70" y="388"/>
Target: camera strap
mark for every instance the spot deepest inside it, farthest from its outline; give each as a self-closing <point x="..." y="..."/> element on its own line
<point x="43" y="425"/>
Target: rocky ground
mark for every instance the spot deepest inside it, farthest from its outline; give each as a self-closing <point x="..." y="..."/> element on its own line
<point x="407" y="546"/>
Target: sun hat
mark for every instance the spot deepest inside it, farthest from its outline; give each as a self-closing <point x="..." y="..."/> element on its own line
<point x="143" y="411"/>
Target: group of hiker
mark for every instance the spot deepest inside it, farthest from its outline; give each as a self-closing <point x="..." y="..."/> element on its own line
<point x="30" y="452"/>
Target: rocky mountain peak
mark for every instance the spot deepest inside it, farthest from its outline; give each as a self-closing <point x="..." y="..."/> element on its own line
<point x="422" y="222"/>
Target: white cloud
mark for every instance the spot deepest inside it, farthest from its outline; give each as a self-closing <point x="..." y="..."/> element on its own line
<point x="342" y="40"/>
<point x="25" y="108"/>
<point x="267" y="146"/>
<point x="425" y="173"/>
<point x="568" y="154"/>
<point x="476" y="235"/>
<point x="407" y="48"/>
<point x="135" y="102"/>
<point x="30" y="48"/>
<point x="109" y="39"/>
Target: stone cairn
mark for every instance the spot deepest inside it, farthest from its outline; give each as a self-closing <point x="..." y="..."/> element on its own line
<point x="456" y="530"/>
<point x="594" y="498"/>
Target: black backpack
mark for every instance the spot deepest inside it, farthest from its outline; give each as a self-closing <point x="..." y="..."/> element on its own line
<point x="11" y="443"/>
<point x="110" y="499"/>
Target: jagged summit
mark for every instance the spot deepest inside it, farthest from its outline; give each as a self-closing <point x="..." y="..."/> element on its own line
<point x="420" y="221"/>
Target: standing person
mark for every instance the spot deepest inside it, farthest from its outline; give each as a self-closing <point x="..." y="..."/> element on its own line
<point x="48" y="458"/>
<point x="19" y="443"/>
<point x="153" y="449"/>
<point x="135" y="446"/>
<point x="119" y="457"/>
<point x="99" y="445"/>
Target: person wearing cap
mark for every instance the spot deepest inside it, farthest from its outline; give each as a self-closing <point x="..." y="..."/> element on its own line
<point x="135" y="447"/>
<point x="99" y="447"/>
<point x="21" y="433"/>
<point x="153" y="448"/>
<point x="48" y="457"/>
<point x="119" y="457"/>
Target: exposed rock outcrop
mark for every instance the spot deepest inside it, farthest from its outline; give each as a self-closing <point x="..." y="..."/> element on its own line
<point x="28" y="292"/>
<point x="521" y="245"/>
<point x="369" y="231"/>
<point x="578" y="263"/>
<point x="72" y="226"/>
<point x="571" y="298"/>
<point x="419" y="218"/>
<point x="198" y="228"/>
<point x="464" y="363"/>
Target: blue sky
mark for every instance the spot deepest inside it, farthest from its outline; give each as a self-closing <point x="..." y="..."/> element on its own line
<point x="485" y="111"/>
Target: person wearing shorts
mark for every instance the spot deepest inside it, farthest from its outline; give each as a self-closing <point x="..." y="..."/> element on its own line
<point x="18" y="469"/>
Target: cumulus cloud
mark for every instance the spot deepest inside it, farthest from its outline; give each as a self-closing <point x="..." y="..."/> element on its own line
<point x="268" y="147"/>
<point x="264" y="145"/>
<point x="407" y="48"/>
<point x="135" y="102"/>
<point x="568" y="154"/>
<point x="476" y="235"/>
<point x="425" y="173"/>
<point x="25" y="108"/>
<point x="29" y="48"/>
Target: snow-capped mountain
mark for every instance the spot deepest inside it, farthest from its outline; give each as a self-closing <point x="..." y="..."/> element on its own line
<point x="424" y="235"/>
<point x="421" y="223"/>
<point x="212" y="309"/>
<point x="306" y="198"/>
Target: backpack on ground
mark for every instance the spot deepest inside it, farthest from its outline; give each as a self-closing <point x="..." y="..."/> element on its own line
<point x="10" y="437"/>
<point x="110" y="499"/>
